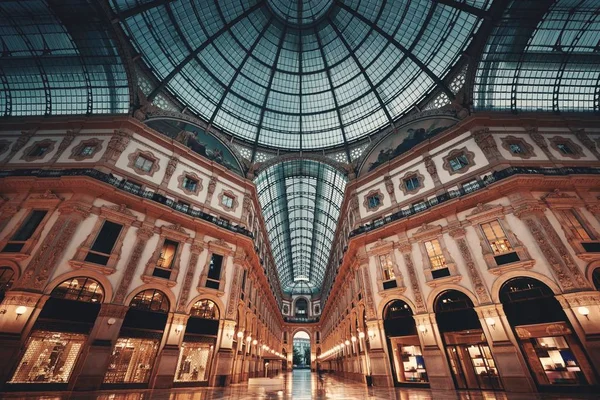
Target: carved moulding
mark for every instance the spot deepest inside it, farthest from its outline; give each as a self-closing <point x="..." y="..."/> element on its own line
<point x="577" y="151"/>
<point x="76" y="151"/>
<point x="27" y="151"/>
<point x="527" y="148"/>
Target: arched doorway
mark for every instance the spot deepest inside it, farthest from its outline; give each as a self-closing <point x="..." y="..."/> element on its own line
<point x="197" y="348"/>
<point x="59" y="334"/>
<point x="471" y="361"/>
<point x="135" y="352"/>
<point x="545" y="335"/>
<point x="301" y="350"/>
<point x="404" y="347"/>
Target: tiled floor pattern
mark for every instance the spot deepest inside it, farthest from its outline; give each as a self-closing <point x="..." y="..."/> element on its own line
<point x="298" y="385"/>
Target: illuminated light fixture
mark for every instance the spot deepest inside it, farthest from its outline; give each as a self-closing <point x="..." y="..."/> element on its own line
<point x="347" y="343"/>
<point x="254" y="342"/>
<point x="353" y="338"/>
<point x="111" y="321"/>
<point x="423" y="329"/>
<point x="584" y="311"/>
<point x="491" y="322"/>
<point x="240" y="334"/>
<point x="179" y="328"/>
<point x="264" y="346"/>
<point x="371" y="334"/>
<point x="20" y="311"/>
<point x="361" y="335"/>
<point x="249" y="339"/>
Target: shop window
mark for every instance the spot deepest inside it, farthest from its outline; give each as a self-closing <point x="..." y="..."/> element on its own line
<point x="150" y="300"/>
<point x="437" y="260"/>
<point x="213" y="279"/>
<point x="205" y="309"/>
<point x="25" y="231"/>
<point x="131" y="360"/>
<point x="104" y="243"/>
<point x="194" y="362"/>
<point x="49" y="357"/>
<point x="143" y="163"/>
<point x="7" y="276"/>
<point x="81" y="289"/>
<point x="496" y="238"/>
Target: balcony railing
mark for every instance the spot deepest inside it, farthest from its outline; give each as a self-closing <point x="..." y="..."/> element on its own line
<point x="472" y="187"/>
<point x="125" y="186"/>
<point x="301" y="319"/>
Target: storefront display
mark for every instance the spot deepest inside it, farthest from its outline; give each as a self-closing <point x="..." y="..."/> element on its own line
<point x="132" y="360"/>
<point x="194" y="362"/>
<point x="408" y="360"/>
<point x="49" y="357"/>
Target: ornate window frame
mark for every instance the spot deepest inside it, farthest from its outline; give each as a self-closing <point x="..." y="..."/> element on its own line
<point x="456" y="153"/>
<point x="45" y="142"/>
<point x="372" y="193"/>
<point x="428" y="233"/>
<point x="174" y="233"/>
<point x="485" y="213"/>
<point x="132" y="157"/>
<point x="385" y="248"/>
<point x="221" y="248"/>
<point x="118" y="214"/>
<point x="76" y="151"/>
<point x="409" y="175"/>
<point x="46" y="201"/>
<point x="230" y="194"/>
<point x="188" y="174"/>
<point x="527" y="148"/>
<point x="577" y="150"/>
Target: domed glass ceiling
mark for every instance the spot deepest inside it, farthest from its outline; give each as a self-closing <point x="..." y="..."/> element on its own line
<point x="294" y="75"/>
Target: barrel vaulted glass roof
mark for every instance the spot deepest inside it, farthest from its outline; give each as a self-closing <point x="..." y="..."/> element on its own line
<point x="300" y="201"/>
<point x="544" y="55"/>
<point x="57" y="57"/>
<point x="301" y="74"/>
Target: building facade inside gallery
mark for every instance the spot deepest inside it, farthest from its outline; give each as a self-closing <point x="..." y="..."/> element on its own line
<point x="187" y="185"/>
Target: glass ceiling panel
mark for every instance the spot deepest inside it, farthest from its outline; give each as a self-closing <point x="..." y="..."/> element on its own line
<point x="58" y="58"/>
<point x="300" y="203"/>
<point x="294" y="75"/>
<point x="543" y="56"/>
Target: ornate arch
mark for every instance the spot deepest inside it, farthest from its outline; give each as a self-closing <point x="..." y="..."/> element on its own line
<point x="305" y="330"/>
<point x="384" y="304"/>
<point x="167" y="292"/>
<point x="207" y="296"/>
<point x="589" y="270"/>
<point x="84" y="273"/>
<point x="444" y="288"/>
<point x="14" y="266"/>
<point x="502" y="279"/>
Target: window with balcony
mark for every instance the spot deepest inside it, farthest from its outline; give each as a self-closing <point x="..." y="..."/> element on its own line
<point x="213" y="279"/>
<point x="143" y="163"/>
<point x="104" y="243"/>
<point x="437" y="260"/>
<point x="166" y="259"/>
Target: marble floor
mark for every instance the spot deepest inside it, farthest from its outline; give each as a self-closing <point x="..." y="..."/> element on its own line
<point x="297" y="385"/>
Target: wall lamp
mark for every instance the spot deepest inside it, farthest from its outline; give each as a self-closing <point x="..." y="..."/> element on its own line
<point x="584" y="311"/>
<point x="20" y="311"/>
<point x="491" y="322"/>
<point x="423" y="329"/>
<point x="178" y="329"/>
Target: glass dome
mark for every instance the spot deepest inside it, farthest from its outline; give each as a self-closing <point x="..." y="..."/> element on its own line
<point x="304" y="74"/>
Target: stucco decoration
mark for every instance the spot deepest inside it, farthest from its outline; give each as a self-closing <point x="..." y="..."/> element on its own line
<point x="576" y="150"/>
<point x="76" y="151"/>
<point x="404" y="139"/>
<point x="49" y="144"/>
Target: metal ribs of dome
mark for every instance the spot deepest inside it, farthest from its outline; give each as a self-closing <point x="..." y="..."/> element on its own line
<point x="331" y="75"/>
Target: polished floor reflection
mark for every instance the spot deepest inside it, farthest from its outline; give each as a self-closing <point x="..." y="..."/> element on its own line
<point x="297" y="385"/>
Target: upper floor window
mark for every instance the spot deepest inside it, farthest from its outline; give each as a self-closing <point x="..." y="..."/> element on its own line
<point x="435" y="254"/>
<point x="25" y="231"/>
<point x="190" y="184"/>
<point x="87" y="150"/>
<point x="167" y="254"/>
<point x="387" y="267"/>
<point x="104" y="243"/>
<point x="373" y="200"/>
<point x="38" y="151"/>
<point x="213" y="279"/>
<point x="151" y="300"/>
<point x="577" y="226"/>
<point x="412" y="183"/>
<point x="227" y="201"/>
<point x="564" y="148"/>
<point x="79" y="289"/>
<point x="458" y="162"/>
<point x="516" y="148"/>
<point x="496" y="237"/>
<point x="144" y="163"/>
<point x="206" y="309"/>
<point x="7" y="276"/>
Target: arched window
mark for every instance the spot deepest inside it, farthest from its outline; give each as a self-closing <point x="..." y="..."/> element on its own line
<point x="397" y="309"/>
<point x="151" y="300"/>
<point x="301" y="308"/>
<point x="206" y="309"/>
<point x="596" y="278"/>
<point x="81" y="288"/>
<point x="7" y="276"/>
<point x="452" y="300"/>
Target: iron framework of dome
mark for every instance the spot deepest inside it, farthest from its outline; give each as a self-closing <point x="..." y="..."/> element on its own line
<point x="299" y="75"/>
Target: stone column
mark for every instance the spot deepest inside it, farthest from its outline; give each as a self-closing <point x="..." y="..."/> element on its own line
<point x="171" y="166"/>
<point x="221" y="373"/>
<point x="510" y="363"/>
<point x="18" y="145"/>
<point x="557" y="255"/>
<point x="14" y="329"/>
<point x="459" y="237"/>
<point x="541" y="142"/>
<point x="144" y="233"/>
<point x="389" y="187"/>
<point x="434" y="354"/>
<point x="432" y="170"/>
<point x="93" y="361"/>
<point x="166" y="361"/>
<point x="51" y="251"/>
<point x="64" y="143"/>
<point x="7" y="212"/>
<point x="587" y="142"/>
<point x="195" y="251"/>
<point x="406" y="250"/>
